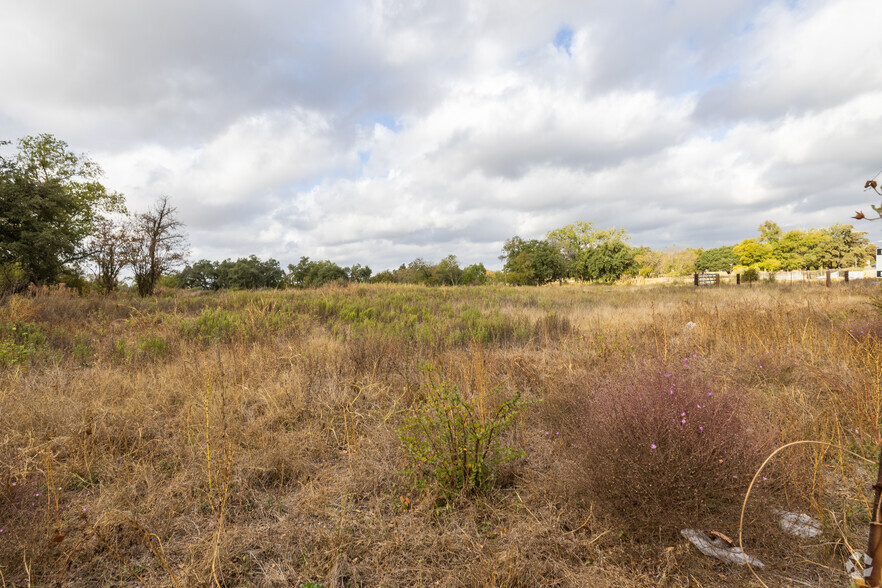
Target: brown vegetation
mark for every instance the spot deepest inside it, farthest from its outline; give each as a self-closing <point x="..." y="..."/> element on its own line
<point x="254" y="437"/>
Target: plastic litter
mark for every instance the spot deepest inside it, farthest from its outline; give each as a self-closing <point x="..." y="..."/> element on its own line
<point x="719" y="548"/>
<point x="859" y="566"/>
<point x="798" y="524"/>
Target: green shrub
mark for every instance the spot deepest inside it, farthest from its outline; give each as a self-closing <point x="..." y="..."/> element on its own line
<point x="122" y="352"/>
<point x="12" y="353"/>
<point x="212" y="326"/>
<point x="19" y="343"/>
<point x="82" y="352"/>
<point x="750" y="275"/>
<point x="455" y="443"/>
<point x="152" y="347"/>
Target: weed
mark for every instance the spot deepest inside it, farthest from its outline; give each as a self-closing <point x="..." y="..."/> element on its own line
<point x="153" y="347"/>
<point x="12" y="354"/>
<point x="456" y="443"/>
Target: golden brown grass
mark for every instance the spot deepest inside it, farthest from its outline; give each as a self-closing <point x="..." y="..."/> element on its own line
<point x="251" y="437"/>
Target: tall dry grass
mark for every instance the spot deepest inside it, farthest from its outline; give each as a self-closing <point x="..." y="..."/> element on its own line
<point x="252" y="437"/>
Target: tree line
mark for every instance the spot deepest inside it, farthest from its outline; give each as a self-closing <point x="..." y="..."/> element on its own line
<point x="58" y="223"/>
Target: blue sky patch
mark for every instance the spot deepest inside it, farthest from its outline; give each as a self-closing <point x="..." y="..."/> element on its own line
<point x="563" y="39"/>
<point x="388" y="121"/>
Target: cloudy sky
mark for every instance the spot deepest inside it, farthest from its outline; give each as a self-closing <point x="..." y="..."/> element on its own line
<point x="379" y="131"/>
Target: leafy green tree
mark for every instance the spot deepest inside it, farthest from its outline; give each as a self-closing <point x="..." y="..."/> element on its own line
<point x="252" y="273"/>
<point x="474" y="275"/>
<point x="357" y="273"/>
<point x="574" y="239"/>
<point x="798" y="250"/>
<point x="50" y="202"/>
<point x="606" y="262"/>
<point x="202" y="275"/>
<point x="769" y="232"/>
<point x="325" y="272"/>
<point x="670" y="262"/>
<point x="447" y="272"/>
<point x="720" y="259"/>
<point x="419" y="271"/>
<point x="532" y="262"/>
<point x="846" y="246"/>
<point x="751" y="252"/>
<point x="384" y="277"/>
<point x="312" y="274"/>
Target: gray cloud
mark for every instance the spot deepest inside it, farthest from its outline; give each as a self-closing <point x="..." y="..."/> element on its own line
<point x="378" y="132"/>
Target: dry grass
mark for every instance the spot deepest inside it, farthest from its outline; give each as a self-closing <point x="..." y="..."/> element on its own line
<point x="252" y="437"/>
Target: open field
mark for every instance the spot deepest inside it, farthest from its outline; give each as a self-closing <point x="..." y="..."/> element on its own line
<point x="254" y="438"/>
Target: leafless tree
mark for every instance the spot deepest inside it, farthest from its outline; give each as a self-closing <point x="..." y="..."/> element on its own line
<point x="155" y="244"/>
<point x="107" y="249"/>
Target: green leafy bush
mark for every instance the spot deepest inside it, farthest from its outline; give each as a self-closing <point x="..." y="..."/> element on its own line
<point x="213" y="325"/>
<point x="457" y="443"/>
<point x="19" y="343"/>
<point x="12" y="353"/>
<point x="152" y="347"/>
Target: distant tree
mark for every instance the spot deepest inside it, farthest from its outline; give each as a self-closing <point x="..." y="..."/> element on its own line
<point x="384" y="277"/>
<point x="474" y="275"/>
<point x="532" y="262"/>
<point x="606" y="262"/>
<point x="298" y="275"/>
<point x="646" y="260"/>
<point x="447" y="272"/>
<point x="357" y="273"/>
<point x="420" y="271"/>
<point x="312" y="274"/>
<point x="50" y="201"/>
<point x="720" y="259"/>
<point x="572" y="240"/>
<point x="202" y="275"/>
<point x="846" y="246"/>
<point x="156" y="244"/>
<point x="325" y="272"/>
<point x="107" y="248"/>
<point x="751" y="252"/>
<point x="769" y="232"/>
<point x="248" y="273"/>
<point x="797" y="250"/>
<point x="669" y="262"/>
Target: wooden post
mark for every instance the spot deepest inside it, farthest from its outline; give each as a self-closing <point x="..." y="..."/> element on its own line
<point x="695" y="278"/>
<point x="829" y="279"/>
<point x="846" y="276"/>
<point x="737" y="279"/>
<point x="874" y="546"/>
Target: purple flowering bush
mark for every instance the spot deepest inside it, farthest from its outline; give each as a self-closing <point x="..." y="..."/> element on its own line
<point x="666" y="448"/>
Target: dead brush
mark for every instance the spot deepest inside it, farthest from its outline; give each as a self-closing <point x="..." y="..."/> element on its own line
<point x="663" y="448"/>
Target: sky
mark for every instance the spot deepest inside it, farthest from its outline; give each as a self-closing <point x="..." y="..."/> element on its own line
<point x="379" y="131"/>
